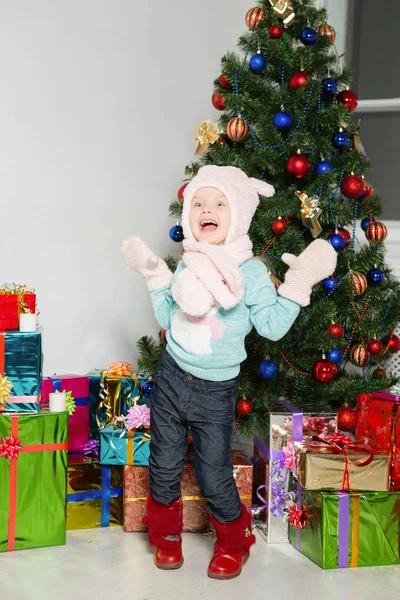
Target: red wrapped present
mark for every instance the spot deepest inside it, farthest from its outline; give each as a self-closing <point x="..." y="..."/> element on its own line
<point x="195" y="514"/>
<point x="13" y="301"/>
<point x="379" y="422"/>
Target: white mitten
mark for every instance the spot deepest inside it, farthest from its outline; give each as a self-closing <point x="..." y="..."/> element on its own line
<point x="315" y="263"/>
<point x="139" y="257"/>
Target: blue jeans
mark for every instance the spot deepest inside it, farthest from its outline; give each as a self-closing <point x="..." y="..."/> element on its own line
<point x="180" y="400"/>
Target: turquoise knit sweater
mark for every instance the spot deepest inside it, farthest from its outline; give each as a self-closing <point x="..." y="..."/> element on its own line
<point x="261" y="307"/>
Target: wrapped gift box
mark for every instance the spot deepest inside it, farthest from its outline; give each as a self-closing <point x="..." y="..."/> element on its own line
<point x="12" y="304"/>
<point x="195" y="514"/>
<point x="288" y="425"/>
<point x="349" y="529"/>
<point x="321" y="470"/>
<point x="94" y="494"/>
<point x="78" y="385"/>
<point x="123" y="447"/>
<point x="20" y="371"/>
<point x="379" y="422"/>
<point x="33" y="483"/>
<point x="118" y="392"/>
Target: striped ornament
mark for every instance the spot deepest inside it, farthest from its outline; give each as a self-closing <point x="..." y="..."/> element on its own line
<point x="358" y="282"/>
<point x="254" y="16"/>
<point x="376" y="232"/>
<point x="328" y="30"/>
<point x="359" y="355"/>
<point x="237" y="129"/>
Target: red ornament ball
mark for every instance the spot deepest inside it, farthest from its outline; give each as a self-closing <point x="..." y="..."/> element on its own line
<point x="218" y="101"/>
<point x="244" y="406"/>
<point x="328" y="30"/>
<point x="279" y="225"/>
<point x="376" y="232"/>
<point x="358" y="283"/>
<point x="275" y="32"/>
<point x="368" y="190"/>
<point x="180" y="192"/>
<point x="359" y="355"/>
<point x="375" y="346"/>
<point x="164" y="334"/>
<point x="335" y="330"/>
<point x="299" y="79"/>
<point x="324" y="371"/>
<point x="298" y="165"/>
<point x="237" y="129"/>
<point x="254" y="16"/>
<point x="347" y="418"/>
<point x="352" y="186"/>
<point x="379" y="372"/>
<point x="223" y="81"/>
<point x="394" y="343"/>
<point x="348" y="98"/>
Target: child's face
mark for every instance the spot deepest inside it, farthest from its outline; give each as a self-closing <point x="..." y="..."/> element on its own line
<point x="210" y="216"/>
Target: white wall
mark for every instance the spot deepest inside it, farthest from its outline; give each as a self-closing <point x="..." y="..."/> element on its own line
<point x="97" y="105"/>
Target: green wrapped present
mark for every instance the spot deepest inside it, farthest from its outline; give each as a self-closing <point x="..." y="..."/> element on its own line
<point x="33" y="478"/>
<point x="347" y="529"/>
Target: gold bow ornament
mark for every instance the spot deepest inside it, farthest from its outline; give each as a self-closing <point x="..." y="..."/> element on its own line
<point x="310" y="212"/>
<point x="206" y="134"/>
<point x="5" y="390"/>
<point x="284" y="10"/>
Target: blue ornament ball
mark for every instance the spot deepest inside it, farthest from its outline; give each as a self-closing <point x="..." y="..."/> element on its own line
<point x="283" y="120"/>
<point x="323" y="167"/>
<point x="176" y="233"/>
<point x="329" y="85"/>
<point x="267" y="368"/>
<point x="337" y="241"/>
<point x="257" y="63"/>
<point x="335" y="355"/>
<point x="147" y="388"/>
<point x="340" y="139"/>
<point x="308" y="36"/>
<point x="365" y="222"/>
<point x="375" y="276"/>
<point x="329" y="283"/>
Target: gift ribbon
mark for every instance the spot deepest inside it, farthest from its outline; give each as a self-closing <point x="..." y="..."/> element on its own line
<point x="105" y="495"/>
<point x="184" y="498"/>
<point x="12" y="510"/>
<point x="297" y="421"/>
<point x="343" y="530"/>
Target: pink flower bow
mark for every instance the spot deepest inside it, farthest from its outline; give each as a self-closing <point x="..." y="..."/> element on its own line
<point x="138" y="416"/>
<point x="290" y="457"/>
<point x="10" y="447"/>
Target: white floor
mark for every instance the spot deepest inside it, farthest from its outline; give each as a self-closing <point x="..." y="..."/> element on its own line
<point x="110" y="564"/>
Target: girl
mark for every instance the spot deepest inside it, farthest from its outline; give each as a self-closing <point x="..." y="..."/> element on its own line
<point x="207" y="307"/>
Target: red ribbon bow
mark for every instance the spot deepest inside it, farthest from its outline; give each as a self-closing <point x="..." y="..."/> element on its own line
<point x="10" y="447"/>
<point x="297" y="516"/>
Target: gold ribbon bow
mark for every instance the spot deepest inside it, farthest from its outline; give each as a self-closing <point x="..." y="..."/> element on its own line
<point x="310" y="212"/>
<point x="284" y="10"/>
<point x="206" y="134"/>
<point x="5" y="389"/>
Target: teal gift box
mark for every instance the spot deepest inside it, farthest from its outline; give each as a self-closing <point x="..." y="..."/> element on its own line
<point x="123" y="447"/>
<point x="20" y="371"/>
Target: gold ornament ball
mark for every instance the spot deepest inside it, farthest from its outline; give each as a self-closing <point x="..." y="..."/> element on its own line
<point x="328" y="30"/>
<point x="254" y="16"/>
<point x="237" y="129"/>
<point x="376" y="232"/>
<point x="359" y="355"/>
<point x="358" y="282"/>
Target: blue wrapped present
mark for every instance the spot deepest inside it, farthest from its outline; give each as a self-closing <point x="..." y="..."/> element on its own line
<point x="123" y="447"/>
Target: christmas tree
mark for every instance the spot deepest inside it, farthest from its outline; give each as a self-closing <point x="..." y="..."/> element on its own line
<point x="286" y="118"/>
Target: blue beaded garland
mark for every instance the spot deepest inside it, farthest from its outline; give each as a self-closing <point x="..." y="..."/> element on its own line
<point x="176" y="233"/>
<point x="329" y="85"/>
<point x="365" y="222"/>
<point x="335" y="355"/>
<point x="257" y="63"/>
<point x="267" y="368"/>
<point x="337" y="241"/>
<point x="282" y="120"/>
<point x="340" y="139"/>
<point x="375" y="276"/>
<point x="329" y="283"/>
<point x="308" y="36"/>
<point x="147" y="388"/>
<point x="323" y="167"/>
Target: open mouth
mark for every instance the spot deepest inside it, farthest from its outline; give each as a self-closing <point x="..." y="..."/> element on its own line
<point x="208" y="225"/>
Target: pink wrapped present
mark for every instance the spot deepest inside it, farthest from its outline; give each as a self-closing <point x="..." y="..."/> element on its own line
<point x="78" y="385"/>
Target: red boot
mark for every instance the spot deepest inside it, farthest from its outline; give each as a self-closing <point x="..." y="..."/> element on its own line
<point x="232" y="547"/>
<point x="165" y="527"/>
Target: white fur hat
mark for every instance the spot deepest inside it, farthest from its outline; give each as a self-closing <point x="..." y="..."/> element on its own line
<point x="242" y="193"/>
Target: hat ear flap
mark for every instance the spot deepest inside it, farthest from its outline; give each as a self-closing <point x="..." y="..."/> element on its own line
<point x="261" y="187"/>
